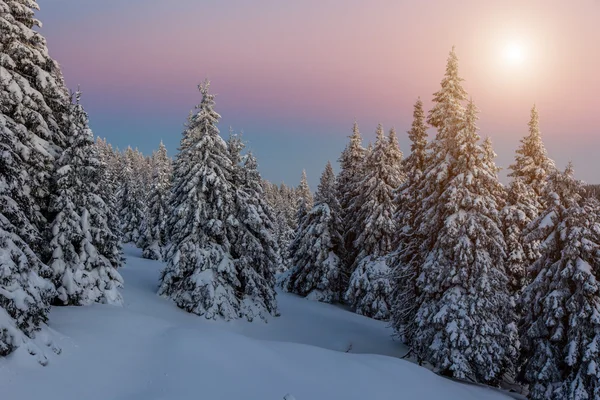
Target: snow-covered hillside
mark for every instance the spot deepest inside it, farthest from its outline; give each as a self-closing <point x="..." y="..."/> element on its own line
<point x="150" y="349"/>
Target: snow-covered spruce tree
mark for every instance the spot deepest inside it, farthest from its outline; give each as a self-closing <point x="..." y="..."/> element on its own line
<point x="405" y="262"/>
<point x="33" y="114"/>
<point x="532" y="164"/>
<point x="154" y="238"/>
<point x="255" y="248"/>
<point x="375" y="218"/>
<point x="277" y="200"/>
<point x="25" y="294"/>
<point x="132" y="198"/>
<point x="465" y="322"/>
<point x="489" y="158"/>
<point x="327" y="193"/>
<point x="285" y="219"/>
<point x="288" y="196"/>
<point x="305" y="198"/>
<point x="562" y="304"/>
<point x="521" y="208"/>
<point x="81" y="242"/>
<point x="369" y="289"/>
<point x="143" y="171"/>
<point x="201" y="275"/>
<point x="316" y="266"/>
<point x="348" y="188"/>
<point x="110" y="184"/>
<point x="32" y="94"/>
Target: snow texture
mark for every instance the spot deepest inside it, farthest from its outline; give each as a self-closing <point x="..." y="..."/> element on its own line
<point x="313" y="351"/>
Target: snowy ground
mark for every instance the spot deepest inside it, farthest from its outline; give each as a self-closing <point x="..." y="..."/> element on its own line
<point x="149" y="349"/>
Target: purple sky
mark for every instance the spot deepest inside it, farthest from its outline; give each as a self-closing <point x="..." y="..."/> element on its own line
<point x="293" y="75"/>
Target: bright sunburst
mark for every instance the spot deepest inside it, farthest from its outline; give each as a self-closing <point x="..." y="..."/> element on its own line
<point x="514" y="53"/>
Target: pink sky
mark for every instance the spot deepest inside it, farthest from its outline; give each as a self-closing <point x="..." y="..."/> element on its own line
<point x="290" y="73"/>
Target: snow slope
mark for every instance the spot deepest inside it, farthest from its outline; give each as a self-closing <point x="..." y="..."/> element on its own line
<point x="149" y="349"/>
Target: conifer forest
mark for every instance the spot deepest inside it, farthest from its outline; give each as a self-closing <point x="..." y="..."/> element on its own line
<point x="472" y="285"/>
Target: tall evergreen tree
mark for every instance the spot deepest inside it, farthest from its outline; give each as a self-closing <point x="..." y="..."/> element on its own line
<point x="465" y="322"/>
<point x="395" y="156"/>
<point x="305" y="198"/>
<point x="532" y="164"/>
<point x="369" y="290"/>
<point x="405" y="263"/>
<point x="32" y="94"/>
<point x="132" y="197"/>
<point x="466" y="325"/>
<point x="326" y="191"/>
<point x="316" y="267"/>
<point x="348" y="189"/>
<point x="562" y="304"/>
<point x="203" y="275"/>
<point x="255" y="248"/>
<point x="154" y="238"/>
<point x="25" y="294"/>
<point x="375" y="218"/>
<point x="284" y="214"/>
<point x="82" y="244"/>
<point x="200" y="275"/>
<point x="521" y="209"/>
<point x="33" y="117"/>
<point x="447" y="113"/>
<point x="110" y="184"/>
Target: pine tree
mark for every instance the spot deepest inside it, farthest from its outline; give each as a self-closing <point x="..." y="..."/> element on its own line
<point x="81" y="242"/>
<point x="32" y="94"/>
<point x="110" y="183"/>
<point x="395" y="157"/>
<point x="375" y="218"/>
<point x="532" y="164"/>
<point x="142" y="175"/>
<point x="132" y="198"/>
<point x="562" y="304"/>
<point x="154" y="239"/>
<point x="203" y="274"/>
<point x="25" y="294"/>
<point x="447" y="116"/>
<point x="465" y="322"/>
<point x="255" y="248"/>
<point x="316" y="268"/>
<point x="326" y="191"/>
<point x="276" y="197"/>
<point x="33" y="114"/>
<point x="285" y="216"/>
<point x="520" y="211"/>
<point x="447" y="113"/>
<point x="305" y="198"/>
<point x="348" y="189"/>
<point x="405" y="263"/>
<point x="369" y="289"/>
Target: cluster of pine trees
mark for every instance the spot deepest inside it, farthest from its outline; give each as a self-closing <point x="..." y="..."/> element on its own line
<point x="483" y="282"/>
<point x="283" y="200"/>
<point x="59" y="237"/>
<point x="221" y="236"/>
<point x="209" y="215"/>
<point x="139" y="188"/>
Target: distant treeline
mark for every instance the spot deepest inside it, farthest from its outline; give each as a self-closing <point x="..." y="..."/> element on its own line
<point x="593" y="191"/>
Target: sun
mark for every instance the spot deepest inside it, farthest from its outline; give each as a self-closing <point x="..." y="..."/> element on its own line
<point x="514" y="53"/>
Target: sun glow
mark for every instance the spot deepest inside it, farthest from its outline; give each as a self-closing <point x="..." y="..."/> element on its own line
<point x="514" y="53"/>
